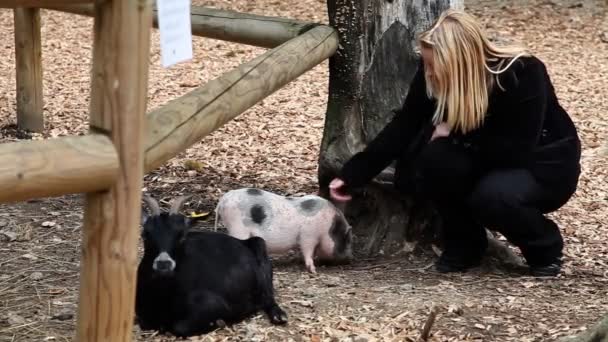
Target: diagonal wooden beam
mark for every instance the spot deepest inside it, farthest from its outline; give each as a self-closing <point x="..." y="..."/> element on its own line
<point x="186" y="120"/>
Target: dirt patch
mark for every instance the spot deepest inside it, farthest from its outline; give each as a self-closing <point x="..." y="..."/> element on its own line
<point x="274" y="146"/>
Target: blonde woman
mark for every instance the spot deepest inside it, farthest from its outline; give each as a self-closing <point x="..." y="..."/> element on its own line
<point x="499" y="150"/>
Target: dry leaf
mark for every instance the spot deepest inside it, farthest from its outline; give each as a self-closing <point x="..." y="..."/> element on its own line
<point x="8" y="236"/>
<point x="201" y="215"/>
<point x="30" y="256"/>
<point x="305" y="303"/>
<point x="36" y="276"/>
<point x="15" y="319"/>
<point x="193" y="165"/>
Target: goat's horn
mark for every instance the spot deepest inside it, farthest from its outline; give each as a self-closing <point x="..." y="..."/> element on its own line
<point x="178" y="203"/>
<point x="152" y="204"/>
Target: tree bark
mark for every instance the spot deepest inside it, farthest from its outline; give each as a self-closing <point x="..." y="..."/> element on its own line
<point x="369" y="78"/>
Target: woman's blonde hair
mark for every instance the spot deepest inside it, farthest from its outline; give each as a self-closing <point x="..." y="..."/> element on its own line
<point x="461" y="80"/>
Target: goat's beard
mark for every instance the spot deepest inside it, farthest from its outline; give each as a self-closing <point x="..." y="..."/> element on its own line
<point x="163" y="274"/>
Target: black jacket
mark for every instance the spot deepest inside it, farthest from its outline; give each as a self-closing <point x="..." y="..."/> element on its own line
<point x="525" y="127"/>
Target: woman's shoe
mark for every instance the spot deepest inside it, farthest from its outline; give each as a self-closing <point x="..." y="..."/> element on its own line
<point x="550" y="270"/>
<point x="449" y="264"/>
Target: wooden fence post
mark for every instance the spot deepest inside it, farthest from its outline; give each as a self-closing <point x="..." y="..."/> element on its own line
<point x="28" y="54"/>
<point x="111" y="223"/>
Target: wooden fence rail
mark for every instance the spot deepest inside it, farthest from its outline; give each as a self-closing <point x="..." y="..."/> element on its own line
<point x="54" y="167"/>
<point x="232" y="26"/>
<point x="39" y="3"/>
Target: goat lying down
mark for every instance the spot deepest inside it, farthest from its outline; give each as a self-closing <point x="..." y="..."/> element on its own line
<point x="190" y="282"/>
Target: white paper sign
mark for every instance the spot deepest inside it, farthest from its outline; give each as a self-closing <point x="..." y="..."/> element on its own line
<point x="175" y="31"/>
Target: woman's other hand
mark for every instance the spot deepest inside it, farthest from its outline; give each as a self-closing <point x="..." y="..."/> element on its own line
<point x="441" y="130"/>
<point x="336" y="191"/>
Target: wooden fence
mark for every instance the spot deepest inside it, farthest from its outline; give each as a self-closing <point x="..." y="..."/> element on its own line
<point x="124" y="142"/>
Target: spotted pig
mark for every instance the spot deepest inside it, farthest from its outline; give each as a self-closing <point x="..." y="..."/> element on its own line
<point x="309" y="222"/>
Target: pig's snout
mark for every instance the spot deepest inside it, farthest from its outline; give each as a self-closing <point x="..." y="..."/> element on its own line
<point x="344" y="257"/>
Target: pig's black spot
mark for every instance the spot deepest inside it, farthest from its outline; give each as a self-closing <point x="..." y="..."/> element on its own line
<point x="308" y="205"/>
<point x="257" y="214"/>
<point x="254" y="192"/>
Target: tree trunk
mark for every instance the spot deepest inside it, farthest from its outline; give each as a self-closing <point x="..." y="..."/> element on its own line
<point x="369" y="77"/>
<point x="597" y="333"/>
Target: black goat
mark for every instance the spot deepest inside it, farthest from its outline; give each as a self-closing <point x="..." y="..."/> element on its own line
<point x="189" y="282"/>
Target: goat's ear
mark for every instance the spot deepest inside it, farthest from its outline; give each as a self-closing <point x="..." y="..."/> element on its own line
<point x="183" y="231"/>
<point x="144" y="216"/>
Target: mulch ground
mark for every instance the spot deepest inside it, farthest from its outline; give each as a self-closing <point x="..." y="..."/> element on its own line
<point x="274" y="145"/>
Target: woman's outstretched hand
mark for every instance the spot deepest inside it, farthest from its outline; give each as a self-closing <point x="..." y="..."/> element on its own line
<point x="441" y="130"/>
<point x="336" y="192"/>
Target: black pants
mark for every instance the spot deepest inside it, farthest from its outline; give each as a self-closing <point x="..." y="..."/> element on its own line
<point x="509" y="201"/>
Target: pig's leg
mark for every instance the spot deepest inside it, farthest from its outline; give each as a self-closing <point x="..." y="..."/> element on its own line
<point x="308" y="244"/>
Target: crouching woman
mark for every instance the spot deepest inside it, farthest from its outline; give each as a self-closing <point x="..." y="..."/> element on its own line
<point x="501" y="151"/>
